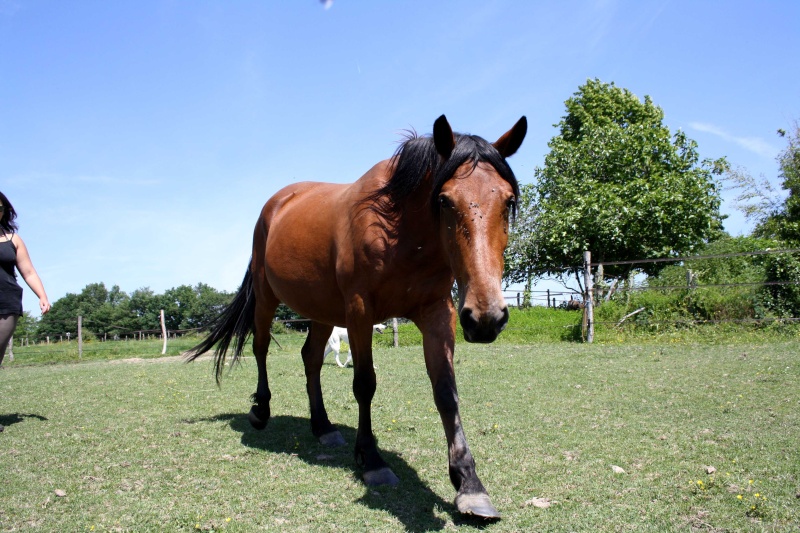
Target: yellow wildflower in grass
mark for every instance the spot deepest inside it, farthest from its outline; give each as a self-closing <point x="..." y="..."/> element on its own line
<point x="739" y="497"/>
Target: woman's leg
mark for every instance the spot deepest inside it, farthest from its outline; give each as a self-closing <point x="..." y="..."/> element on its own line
<point x="7" y="325"/>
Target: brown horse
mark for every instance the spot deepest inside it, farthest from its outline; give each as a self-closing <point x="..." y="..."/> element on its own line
<point x="389" y="245"/>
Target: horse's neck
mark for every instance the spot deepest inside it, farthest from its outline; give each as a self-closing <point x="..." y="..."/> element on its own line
<point x="419" y="240"/>
<point x="416" y="214"/>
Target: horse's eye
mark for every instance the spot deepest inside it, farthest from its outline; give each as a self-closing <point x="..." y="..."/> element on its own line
<point x="444" y="202"/>
<point x="511" y="204"/>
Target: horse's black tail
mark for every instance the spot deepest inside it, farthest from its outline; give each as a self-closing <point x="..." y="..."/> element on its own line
<point x="235" y="320"/>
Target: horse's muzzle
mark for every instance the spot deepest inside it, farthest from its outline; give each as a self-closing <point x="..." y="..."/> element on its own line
<point x="483" y="328"/>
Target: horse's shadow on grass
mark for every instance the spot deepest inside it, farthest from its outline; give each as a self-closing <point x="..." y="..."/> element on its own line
<point x="412" y="502"/>
<point x="16" y="418"/>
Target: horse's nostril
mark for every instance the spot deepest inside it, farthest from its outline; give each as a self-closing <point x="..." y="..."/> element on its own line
<point x="503" y="321"/>
<point x="486" y="328"/>
<point x="468" y="321"/>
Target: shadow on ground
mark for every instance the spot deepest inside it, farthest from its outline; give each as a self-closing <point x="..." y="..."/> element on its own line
<point x="16" y="418"/>
<point x="412" y="502"/>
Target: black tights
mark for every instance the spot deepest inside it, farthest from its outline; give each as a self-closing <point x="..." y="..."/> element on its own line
<point x="7" y="325"/>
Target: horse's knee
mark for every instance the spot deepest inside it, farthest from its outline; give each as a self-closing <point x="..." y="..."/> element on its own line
<point x="364" y="385"/>
<point x="445" y="396"/>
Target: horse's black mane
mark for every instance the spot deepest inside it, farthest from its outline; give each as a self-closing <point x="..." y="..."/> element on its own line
<point x="417" y="156"/>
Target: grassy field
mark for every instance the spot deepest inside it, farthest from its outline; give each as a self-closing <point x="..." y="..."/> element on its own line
<point x="154" y="445"/>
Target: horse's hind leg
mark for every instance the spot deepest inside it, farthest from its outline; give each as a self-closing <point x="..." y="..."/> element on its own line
<point x="259" y="413"/>
<point x="313" y="354"/>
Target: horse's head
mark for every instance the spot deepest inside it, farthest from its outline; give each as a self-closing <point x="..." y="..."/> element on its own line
<point x="474" y="207"/>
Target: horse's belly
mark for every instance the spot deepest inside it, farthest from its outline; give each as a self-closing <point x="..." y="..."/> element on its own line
<point x="300" y="264"/>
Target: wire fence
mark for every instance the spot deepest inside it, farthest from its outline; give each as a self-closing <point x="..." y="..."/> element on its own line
<point x="744" y="301"/>
<point x="568" y="298"/>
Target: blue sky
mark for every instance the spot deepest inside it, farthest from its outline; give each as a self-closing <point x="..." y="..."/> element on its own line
<point x="139" y="139"/>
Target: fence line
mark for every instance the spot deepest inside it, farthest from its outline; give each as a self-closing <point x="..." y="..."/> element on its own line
<point x="695" y="257"/>
<point x="549" y="296"/>
<point x="693" y="287"/>
<point x="690" y="285"/>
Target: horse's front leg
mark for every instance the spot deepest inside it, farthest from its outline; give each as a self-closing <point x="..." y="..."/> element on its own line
<point x="438" y="325"/>
<point x="376" y="471"/>
<point x="313" y="352"/>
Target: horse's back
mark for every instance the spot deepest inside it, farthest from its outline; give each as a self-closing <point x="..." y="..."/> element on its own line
<point x="313" y="204"/>
<point x="307" y="231"/>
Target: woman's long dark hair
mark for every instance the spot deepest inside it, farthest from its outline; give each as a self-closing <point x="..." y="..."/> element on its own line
<point x="9" y="215"/>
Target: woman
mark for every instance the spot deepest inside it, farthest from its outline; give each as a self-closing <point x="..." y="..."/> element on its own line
<point x="13" y="253"/>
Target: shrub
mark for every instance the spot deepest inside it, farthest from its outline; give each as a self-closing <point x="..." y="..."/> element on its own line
<point x="782" y="299"/>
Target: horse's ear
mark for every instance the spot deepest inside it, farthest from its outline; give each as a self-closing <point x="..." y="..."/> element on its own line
<point x="443" y="137"/>
<point x="511" y="140"/>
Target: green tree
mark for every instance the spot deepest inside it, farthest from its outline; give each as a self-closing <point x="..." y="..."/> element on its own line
<point x="784" y="220"/>
<point x="178" y="302"/>
<point x="616" y="182"/>
<point x="105" y="312"/>
<point x="26" y="327"/>
<point x="209" y="304"/>
<point x="187" y="307"/>
<point x="146" y="305"/>
<point x="61" y="319"/>
<point x="522" y="254"/>
<point x="113" y="316"/>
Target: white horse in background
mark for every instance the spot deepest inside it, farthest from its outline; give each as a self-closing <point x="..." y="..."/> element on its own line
<point x="334" y="343"/>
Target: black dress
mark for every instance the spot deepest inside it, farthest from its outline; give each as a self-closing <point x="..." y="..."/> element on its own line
<point x="10" y="291"/>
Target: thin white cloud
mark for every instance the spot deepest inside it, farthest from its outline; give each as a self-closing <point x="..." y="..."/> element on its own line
<point x="106" y="180"/>
<point x="752" y="144"/>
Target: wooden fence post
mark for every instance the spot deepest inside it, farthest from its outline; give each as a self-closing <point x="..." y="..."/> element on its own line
<point x="600" y="286"/>
<point x="80" y="337"/>
<point x="691" y="279"/>
<point x="396" y="339"/>
<point x="588" y="307"/>
<point x="163" y="333"/>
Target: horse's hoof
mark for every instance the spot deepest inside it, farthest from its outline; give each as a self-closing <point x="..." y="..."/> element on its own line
<point x="381" y="476"/>
<point x="332" y="439"/>
<point x="255" y="420"/>
<point x="477" y="504"/>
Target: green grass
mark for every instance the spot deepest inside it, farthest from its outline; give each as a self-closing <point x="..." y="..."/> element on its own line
<point x="155" y="446"/>
<point x="540" y="324"/>
<point x="67" y="352"/>
<point x="530" y="326"/>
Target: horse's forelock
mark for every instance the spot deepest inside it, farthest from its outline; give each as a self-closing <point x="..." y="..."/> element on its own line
<point x="473" y="149"/>
<point x="416" y="157"/>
